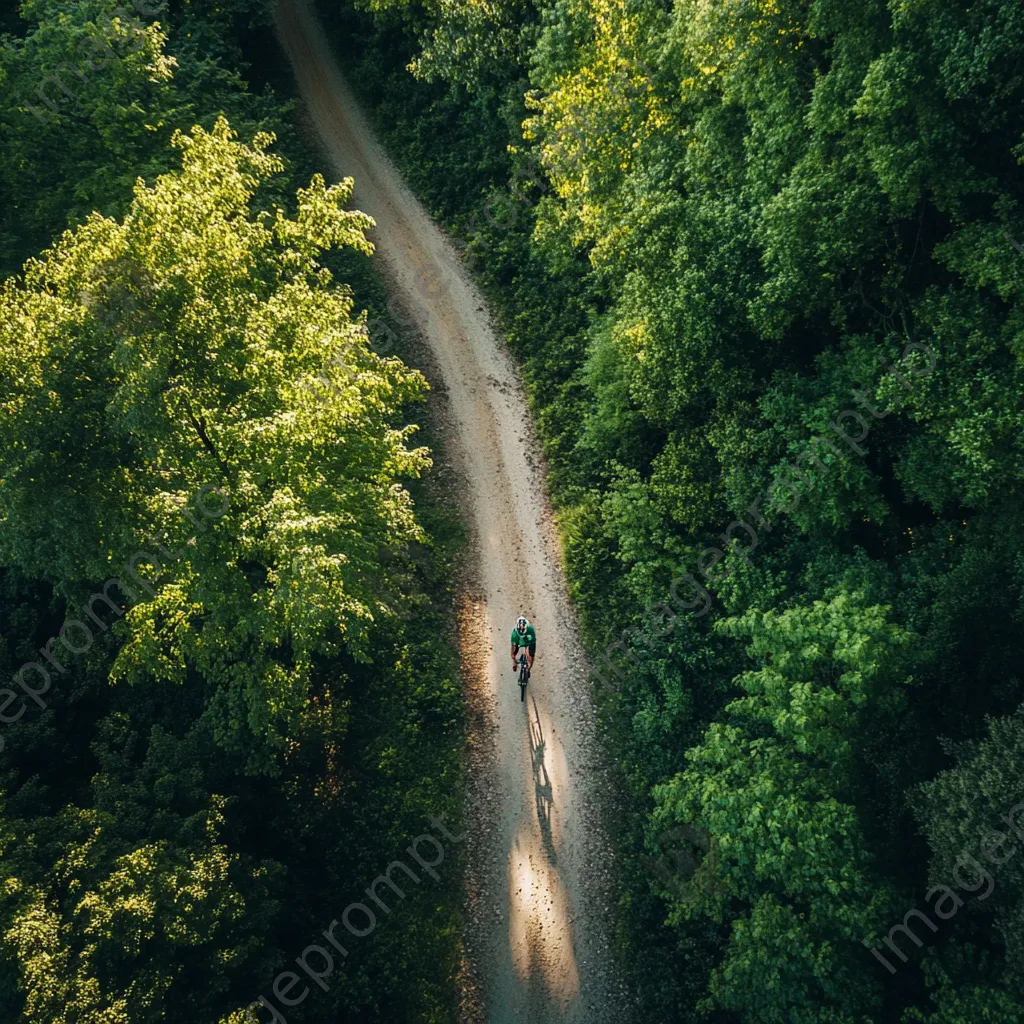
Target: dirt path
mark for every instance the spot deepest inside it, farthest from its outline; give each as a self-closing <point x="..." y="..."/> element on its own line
<point x="540" y="916"/>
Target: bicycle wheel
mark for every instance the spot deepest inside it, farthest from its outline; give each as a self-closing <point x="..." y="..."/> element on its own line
<point x="522" y="680"/>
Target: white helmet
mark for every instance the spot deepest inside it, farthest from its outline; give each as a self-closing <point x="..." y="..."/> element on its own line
<point x="521" y="623"/>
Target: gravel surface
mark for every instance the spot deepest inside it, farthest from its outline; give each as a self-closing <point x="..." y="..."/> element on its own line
<point x="538" y="887"/>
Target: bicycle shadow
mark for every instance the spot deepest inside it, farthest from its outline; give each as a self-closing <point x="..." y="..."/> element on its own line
<point x="541" y="782"/>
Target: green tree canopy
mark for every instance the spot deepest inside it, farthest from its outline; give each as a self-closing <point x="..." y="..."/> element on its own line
<point x="188" y="346"/>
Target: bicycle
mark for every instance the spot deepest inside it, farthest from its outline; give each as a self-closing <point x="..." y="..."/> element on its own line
<point x="524" y="675"/>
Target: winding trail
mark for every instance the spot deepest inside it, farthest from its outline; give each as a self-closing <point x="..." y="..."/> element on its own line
<point x="539" y="913"/>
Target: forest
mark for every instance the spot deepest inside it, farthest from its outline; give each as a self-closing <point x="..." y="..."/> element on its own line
<point x="222" y="564"/>
<point x="724" y="235"/>
<point x="761" y="265"/>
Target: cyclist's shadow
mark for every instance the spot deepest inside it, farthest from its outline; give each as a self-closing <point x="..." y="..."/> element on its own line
<point x="541" y="782"/>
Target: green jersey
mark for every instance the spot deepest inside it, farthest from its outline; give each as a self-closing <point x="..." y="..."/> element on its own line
<point x="525" y="639"/>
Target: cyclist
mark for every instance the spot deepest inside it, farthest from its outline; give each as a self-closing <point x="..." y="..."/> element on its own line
<point x="524" y="635"/>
